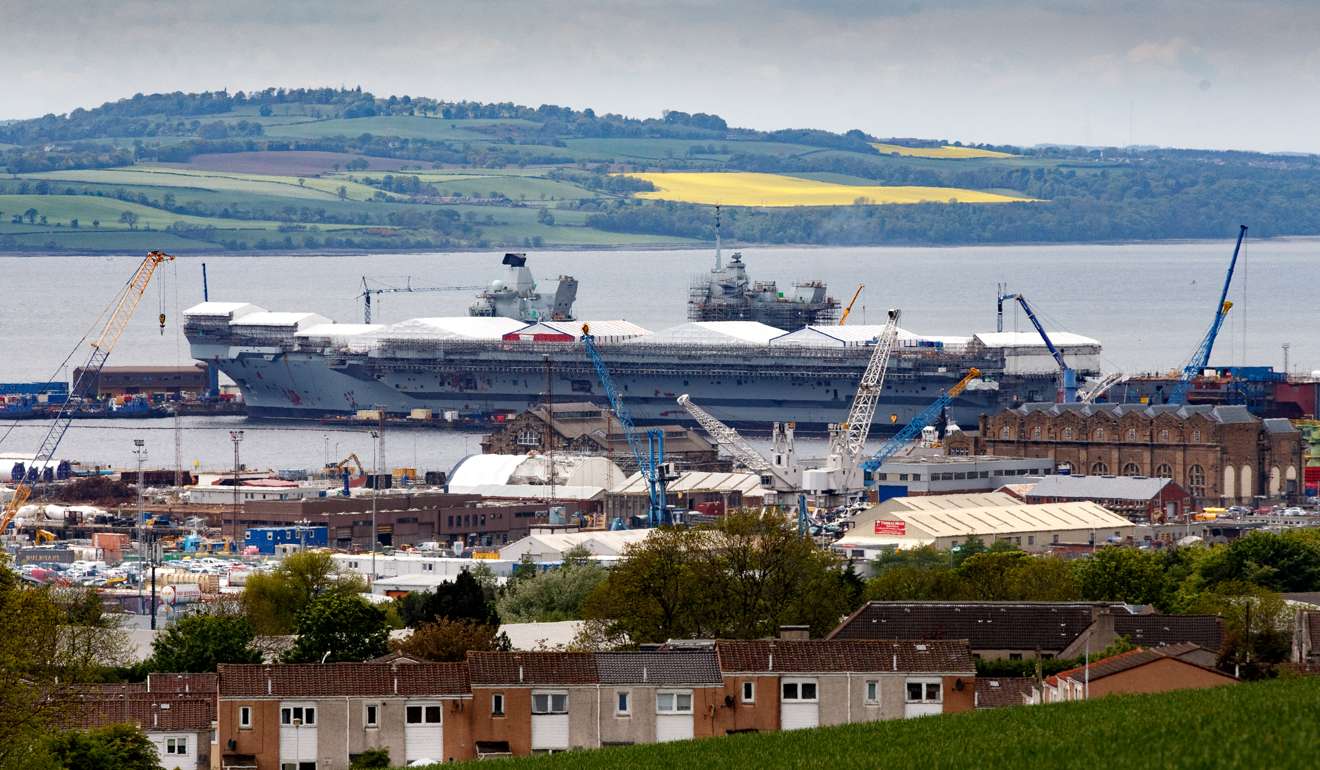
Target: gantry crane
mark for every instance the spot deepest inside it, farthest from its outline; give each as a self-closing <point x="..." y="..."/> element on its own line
<point x="914" y="427"/>
<point x="1201" y="358"/>
<point x="368" y="292"/>
<point x="121" y="313"/>
<point x="1067" y="392"/>
<point x="651" y="463"/>
<point x="849" y="437"/>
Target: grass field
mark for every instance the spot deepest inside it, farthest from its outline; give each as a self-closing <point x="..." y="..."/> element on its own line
<point x="947" y="152"/>
<point x="293" y="163"/>
<point x="753" y="189"/>
<point x="1269" y="725"/>
<point x="170" y="176"/>
<point x="402" y="126"/>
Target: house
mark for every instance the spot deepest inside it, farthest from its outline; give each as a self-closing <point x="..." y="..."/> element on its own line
<point x="1003" y="691"/>
<point x="788" y="684"/>
<point x="1139" y="498"/>
<point x="321" y="716"/>
<point x="1027" y="630"/>
<point x="1306" y="639"/>
<point x="176" y="712"/>
<point x="533" y="702"/>
<point x="1143" y="670"/>
<point x="656" y="697"/>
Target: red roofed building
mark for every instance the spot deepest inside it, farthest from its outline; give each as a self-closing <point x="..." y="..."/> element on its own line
<point x="1143" y="670"/>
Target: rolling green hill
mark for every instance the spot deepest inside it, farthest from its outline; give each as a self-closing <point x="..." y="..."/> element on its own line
<point x="1267" y="725"/>
<point x="341" y="169"/>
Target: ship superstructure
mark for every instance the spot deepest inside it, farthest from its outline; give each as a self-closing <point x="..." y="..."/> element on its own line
<point x="515" y="295"/>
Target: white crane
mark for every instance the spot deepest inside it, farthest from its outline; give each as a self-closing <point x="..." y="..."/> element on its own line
<point x="847" y="439"/>
<point x="1090" y="393"/>
<point x="783" y="473"/>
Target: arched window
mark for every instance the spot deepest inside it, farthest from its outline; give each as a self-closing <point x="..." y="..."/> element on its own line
<point x="1164" y="471"/>
<point x="1067" y="434"/>
<point x="1099" y="434"/>
<point x="1164" y="434"/>
<point x="1004" y="432"/>
<point x="1099" y="469"/>
<point x="1132" y="434"/>
<point x="1196" y="481"/>
<point x="1131" y="469"/>
<point x="1035" y="433"/>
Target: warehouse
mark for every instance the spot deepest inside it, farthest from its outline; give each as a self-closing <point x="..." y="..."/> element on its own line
<point x="1032" y="528"/>
<point x="1137" y="497"/>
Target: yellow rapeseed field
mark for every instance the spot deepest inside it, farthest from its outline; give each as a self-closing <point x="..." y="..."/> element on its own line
<point x="738" y="188"/>
<point x="948" y="151"/>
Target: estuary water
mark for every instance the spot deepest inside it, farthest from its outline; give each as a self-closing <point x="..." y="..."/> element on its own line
<point x="1148" y="304"/>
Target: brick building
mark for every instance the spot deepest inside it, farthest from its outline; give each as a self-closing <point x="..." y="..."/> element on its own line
<point x="1139" y="498"/>
<point x="144" y="380"/>
<point x="1143" y="670"/>
<point x="175" y="711"/>
<point x="1219" y="454"/>
<point x="588" y="428"/>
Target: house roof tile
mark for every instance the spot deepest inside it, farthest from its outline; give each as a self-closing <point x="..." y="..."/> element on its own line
<point x="1156" y="630"/>
<point x="985" y="625"/>
<point x="562" y="668"/>
<point x="671" y="667"/>
<point x="87" y="708"/>
<point x="998" y="692"/>
<point x="831" y="655"/>
<point x="344" y="679"/>
<point x="1126" y="661"/>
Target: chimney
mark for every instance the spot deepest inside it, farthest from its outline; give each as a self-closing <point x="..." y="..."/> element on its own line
<point x="795" y="633"/>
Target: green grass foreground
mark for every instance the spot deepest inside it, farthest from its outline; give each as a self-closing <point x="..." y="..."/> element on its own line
<point x="1268" y="725"/>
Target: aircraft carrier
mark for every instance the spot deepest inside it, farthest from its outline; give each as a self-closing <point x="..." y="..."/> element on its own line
<point x="750" y="374"/>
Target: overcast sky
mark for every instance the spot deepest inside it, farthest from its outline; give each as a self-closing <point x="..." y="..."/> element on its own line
<point x="1188" y="73"/>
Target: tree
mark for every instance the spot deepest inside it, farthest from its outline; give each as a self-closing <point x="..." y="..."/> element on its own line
<point x="31" y="215"/>
<point x="450" y="640"/>
<point x="463" y="599"/>
<point x="1287" y="562"/>
<point x="371" y="759"/>
<point x="1257" y="628"/>
<point x="198" y="643"/>
<point x="128" y="218"/>
<point x="554" y="595"/>
<point x="1116" y="574"/>
<point x="336" y="628"/>
<point x="117" y="747"/>
<point x="272" y="601"/>
<point x="342" y="192"/>
<point x="544" y="216"/>
<point x="96" y="223"/>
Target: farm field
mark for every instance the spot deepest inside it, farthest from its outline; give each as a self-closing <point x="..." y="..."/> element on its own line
<point x="292" y="163"/>
<point x="1270" y="724"/>
<point x="402" y="126"/>
<point x="165" y="176"/>
<point x="656" y="149"/>
<point x="756" y="189"/>
<point x="62" y="209"/>
<point x="948" y="151"/>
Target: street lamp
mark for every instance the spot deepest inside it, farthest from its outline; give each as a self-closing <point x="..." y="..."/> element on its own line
<point x="235" y="436"/>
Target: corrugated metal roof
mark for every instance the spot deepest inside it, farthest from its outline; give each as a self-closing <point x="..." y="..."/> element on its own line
<point x="1049" y="517"/>
<point x="948" y="502"/>
<point x="698" y="481"/>
<point x="1033" y="340"/>
<point x="335" y="331"/>
<point x="221" y="310"/>
<point x="1103" y="487"/>
<point x="453" y="328"/>
<point x="714" y="333"/>
<point x="282" y="319"/>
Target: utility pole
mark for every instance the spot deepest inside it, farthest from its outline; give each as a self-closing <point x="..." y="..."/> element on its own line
<point x="377" y="453"/>
<point x="550" y="431"/>
<point x="1286" y="345"/>
<point x="146" y="544"/>
<point x="235" y="436"/>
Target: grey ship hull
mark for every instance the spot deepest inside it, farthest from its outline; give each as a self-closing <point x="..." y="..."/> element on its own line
<point x="750" y="390"/>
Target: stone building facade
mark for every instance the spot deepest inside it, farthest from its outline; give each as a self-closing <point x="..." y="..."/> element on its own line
<point x="1219" y="454"/>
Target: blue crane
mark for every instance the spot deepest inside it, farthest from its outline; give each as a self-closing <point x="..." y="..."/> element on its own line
<point x="649" y="463"/>
<point x="914" y="427"/>
<point x="1067" y="375"/>
<point x="1201" y="358"/>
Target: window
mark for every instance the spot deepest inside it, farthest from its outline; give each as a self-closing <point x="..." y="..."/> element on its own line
<point x="924" y="692"/>
<point x="1164" y="471"/>
<point x="872" y="692"/>
<point x="529" y="438"/>
<point x="1004" y="432"/>
<point x="673" y="702"/>
<point x="799" y="690"/>
<point x="622" y="706"/>
<point x="1164" y="434"/>
<point x="298" y="765"/>
<point x="1131" y="434"/>
<point x="497" y="704"/>
<point x="245" y="717"/>
<point x="1099" y="434"/>
<point x="1099" y="469"/>
<point x="176" y="746"/>
<point x="1196" y="481"/>
<point x="1031" y="539"/>
<point x="1067" y="434"/>
<point x="424" y="714"/>
<point x="371" y="715"/>
<point x="1035" y="433"/>
<point x="748" y="692"/>
<point x="549" y="703"/>
<point x="1196" y="437"/>
<point x="298" y="715"/>
<point x="1015" y="656"/>
<point x="1131" y="469"/>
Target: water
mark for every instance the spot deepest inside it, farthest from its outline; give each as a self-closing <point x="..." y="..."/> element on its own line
<point x="1149" y="304"/>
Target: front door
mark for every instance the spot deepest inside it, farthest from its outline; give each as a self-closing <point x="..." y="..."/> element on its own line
<point x="297" y="736"/>
<point x="424" y="732"/>
<point x="799" y="704"/>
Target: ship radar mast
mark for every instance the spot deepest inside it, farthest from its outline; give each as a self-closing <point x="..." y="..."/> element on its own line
<point x="718" y="261"/>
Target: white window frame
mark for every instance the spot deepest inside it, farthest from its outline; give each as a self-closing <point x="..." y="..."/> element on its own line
<point x="748" y="691"/>
<point x="177" y="746"/>
<point x="674" y="697"/>
<point x="623" y="703"/>
<point x="871" y="695"/>
<point x="926" y="684"/>
<point x="368" y="721"/>
<point x="303" y="710"/>
<point x="245" y="717"/>
<point x="550" y="697"/>
<point x="426" y="707"/>
<point x="497" y="705"/>
<point x="799" y="684"/>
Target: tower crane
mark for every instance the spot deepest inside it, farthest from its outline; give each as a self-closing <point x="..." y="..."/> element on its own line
<point x="368" y="292"/>
<point x="650" y="463"/>
<point x="1201" y="358"/>
<point x="783" y="474"/>
<point x="121" y="313"/>
<point x="1067" y="393"/>
<point x="849" y="437"/>
<point x="915" y="426"/>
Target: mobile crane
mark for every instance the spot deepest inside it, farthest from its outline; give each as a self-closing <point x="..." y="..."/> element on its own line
<point x="125" y="302"/>
<point x="1201" y="358"/>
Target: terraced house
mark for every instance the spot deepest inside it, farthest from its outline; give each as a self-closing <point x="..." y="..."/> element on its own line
<point x="319" y="717"/>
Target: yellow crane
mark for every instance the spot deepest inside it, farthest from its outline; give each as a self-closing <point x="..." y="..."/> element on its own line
<point x="848" y="310"/>
<point x="121" y="312"/>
